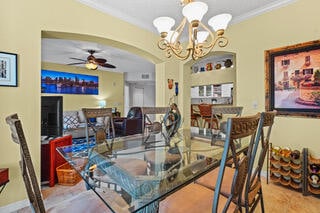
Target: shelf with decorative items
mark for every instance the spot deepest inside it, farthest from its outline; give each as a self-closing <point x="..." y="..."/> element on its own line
<point x="220" y="61"/>
<point x="286" y="167"/>
<point x="213" y="79"/>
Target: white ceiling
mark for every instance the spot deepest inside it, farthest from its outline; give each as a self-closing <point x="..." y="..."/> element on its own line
<point x="61" y="51"/>
<point x="142" y="13"/>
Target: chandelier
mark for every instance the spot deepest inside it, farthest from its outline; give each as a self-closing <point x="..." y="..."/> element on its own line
<point x="201" y="39"/>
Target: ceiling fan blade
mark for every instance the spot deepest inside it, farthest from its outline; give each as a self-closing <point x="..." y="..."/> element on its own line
<point x="108" y="65"/>
<point x="78" y="59"/>
<point x="77" y="63"/>
<point x="100" y="60"/>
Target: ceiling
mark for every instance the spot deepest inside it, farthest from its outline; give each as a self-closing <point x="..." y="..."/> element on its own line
<point x="142" y="13"/>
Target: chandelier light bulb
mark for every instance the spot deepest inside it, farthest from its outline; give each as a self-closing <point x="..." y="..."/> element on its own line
<point x="220" y="22"/>
<point x="194" y="11"/>
<point x="163" y="24"/>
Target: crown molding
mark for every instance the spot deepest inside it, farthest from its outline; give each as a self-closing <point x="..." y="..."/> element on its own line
<point x="262" y="10"/>
<point x="236" y="19"/>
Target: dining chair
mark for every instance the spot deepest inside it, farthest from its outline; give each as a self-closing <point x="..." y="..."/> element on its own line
<point x="205" y="113"/>
<point x="194" y="116"/>
<point x="153" y="127"/>
<point x="252" y="193"/>
<point x="102" y="125"/>
<point x="87" y="201"/>
<point x="203" y="199"/>
<point x="219" y="115"/>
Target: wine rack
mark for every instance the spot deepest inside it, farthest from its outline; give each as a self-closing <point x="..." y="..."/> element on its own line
<point x="295" y="169"/>
<point x="313" y="175"/>
<point x="286" y="167"/>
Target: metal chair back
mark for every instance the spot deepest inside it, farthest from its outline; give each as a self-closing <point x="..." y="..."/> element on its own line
<point x="237" y="128"/>
<point x="253" y="189"/>
<point x="26" y="165"/>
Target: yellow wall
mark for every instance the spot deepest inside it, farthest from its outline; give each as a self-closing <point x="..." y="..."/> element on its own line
<point x="22" y="22"/>
<point x="295" y="23"/>
<point x="111" y="88"/>
<point x="282" y="27"/>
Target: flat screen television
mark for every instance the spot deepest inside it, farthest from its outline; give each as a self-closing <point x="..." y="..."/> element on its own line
<point x="51" y="116"/>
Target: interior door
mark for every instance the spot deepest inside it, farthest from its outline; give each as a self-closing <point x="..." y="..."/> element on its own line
<point x="137" y="97"/>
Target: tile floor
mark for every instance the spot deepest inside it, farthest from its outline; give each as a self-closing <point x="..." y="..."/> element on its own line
<point x="277" y="198"/>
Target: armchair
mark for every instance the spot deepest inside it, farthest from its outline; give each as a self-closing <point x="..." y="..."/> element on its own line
<point x="130" y="125"/>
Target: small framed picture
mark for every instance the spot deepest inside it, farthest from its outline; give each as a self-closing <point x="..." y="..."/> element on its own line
<point x="8" y="69"/>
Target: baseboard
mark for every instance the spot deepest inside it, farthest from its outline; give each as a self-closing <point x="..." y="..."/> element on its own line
<point x="14" y="207"/>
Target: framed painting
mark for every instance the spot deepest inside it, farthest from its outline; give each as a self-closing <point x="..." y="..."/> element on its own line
<point x="8" y="69"/>
<point x="68" y="83"/>
<point x="292" y="79"/>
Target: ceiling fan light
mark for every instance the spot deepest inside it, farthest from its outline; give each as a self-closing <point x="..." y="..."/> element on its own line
<point x="220" y="22"/>
<point x="163" y="24"/>
<point x="202" y="36"/>
<point x="91" y="66"/>
<point x="194" y="11"/>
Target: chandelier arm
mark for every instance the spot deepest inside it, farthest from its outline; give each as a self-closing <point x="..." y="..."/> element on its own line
<point x="193" y="38"/>
<point x="178" y="55"/>
<point x="179" y="30"/>
<point x="222" y="41"/>
<point x="162" y="44"/>
<point x="207" y="44"/>
<point x="176" y="47"/>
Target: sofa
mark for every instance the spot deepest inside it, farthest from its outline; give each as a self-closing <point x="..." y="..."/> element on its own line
<point x="74" y="123"/>
<point x="130" y="125"/>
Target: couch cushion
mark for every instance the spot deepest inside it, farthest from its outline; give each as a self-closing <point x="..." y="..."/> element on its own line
<point x="82" y="118"/>
<point x="70" y="121"/>
<point x="74" y="113"/>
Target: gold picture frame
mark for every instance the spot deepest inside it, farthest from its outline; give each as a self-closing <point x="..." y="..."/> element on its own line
<point x="292" y="79"/>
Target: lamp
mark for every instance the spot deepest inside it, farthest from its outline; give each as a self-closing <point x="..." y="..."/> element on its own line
<point x="102" y="103"/>
<point x="91" y="66"/>
<point x="200" y="42"/>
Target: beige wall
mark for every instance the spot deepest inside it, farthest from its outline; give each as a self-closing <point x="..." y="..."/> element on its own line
<point x="21" y="24"/>
<point x="295" y="23"/>
<point x="111" y="88"/>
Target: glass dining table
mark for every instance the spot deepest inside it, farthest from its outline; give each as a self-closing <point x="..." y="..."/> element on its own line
<point x="140" y="173"/>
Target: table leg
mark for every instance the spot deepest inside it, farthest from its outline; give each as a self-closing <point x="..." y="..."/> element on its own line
<point x="151" y="208"/>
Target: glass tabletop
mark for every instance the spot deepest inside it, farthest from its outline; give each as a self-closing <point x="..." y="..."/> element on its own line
<point x="137" y="173"/>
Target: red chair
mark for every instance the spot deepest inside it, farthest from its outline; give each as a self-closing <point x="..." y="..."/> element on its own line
<point x="55" y="158"/>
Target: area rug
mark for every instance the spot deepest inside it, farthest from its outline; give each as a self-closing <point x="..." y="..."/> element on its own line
<point x="83" y="140"/>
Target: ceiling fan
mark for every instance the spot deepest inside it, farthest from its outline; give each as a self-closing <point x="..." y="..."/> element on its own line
<point x="92" y="62"/>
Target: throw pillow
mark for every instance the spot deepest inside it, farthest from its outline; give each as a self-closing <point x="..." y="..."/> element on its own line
<point x="100" y="121"/>
<point x="70" y="121"/>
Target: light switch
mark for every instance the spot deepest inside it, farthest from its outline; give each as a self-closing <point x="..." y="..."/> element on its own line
<point x="254" y="104"/>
